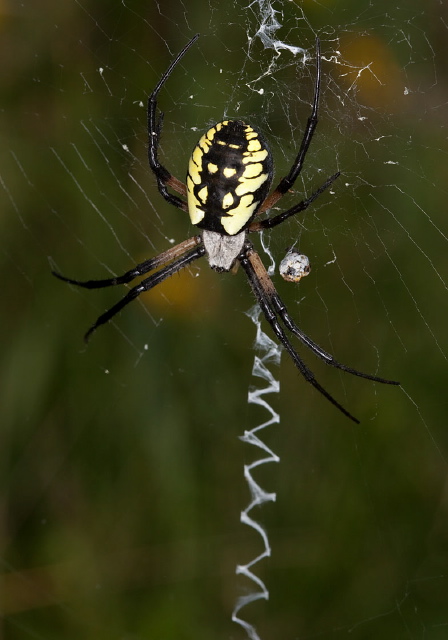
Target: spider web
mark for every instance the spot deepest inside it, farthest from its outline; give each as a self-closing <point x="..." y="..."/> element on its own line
<point x="121" y="464"/>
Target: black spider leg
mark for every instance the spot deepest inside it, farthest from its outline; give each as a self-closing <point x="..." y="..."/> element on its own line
<point x="263" y="289"/>
<point x="268" y="223"/>
<point x="315" y="348"/>
<point x="139" y="270"/>
<point x="162" y="174"/>
<point x="287" y="182"/>
<point x="146" y="284"/>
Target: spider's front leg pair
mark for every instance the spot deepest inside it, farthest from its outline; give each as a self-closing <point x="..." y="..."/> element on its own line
<point x="168" y="263"/>
<point x="275" y="311"/>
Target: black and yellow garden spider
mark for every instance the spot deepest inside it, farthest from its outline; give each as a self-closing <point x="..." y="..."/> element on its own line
<point x="227" y="188"/>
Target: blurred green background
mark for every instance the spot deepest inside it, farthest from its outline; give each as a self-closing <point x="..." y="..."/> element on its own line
<point x="121" y="467"/>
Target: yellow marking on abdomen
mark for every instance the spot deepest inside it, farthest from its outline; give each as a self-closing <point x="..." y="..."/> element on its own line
<point x="203" y="194"/>
<point x="254" y="145"/>
<point x="239" y="215"/>
<point x="196" y="157"/>
<point x="253" y="170"/>
<point x="250" y="185"/>
<point x="228" y="172"/>
<point x="258" y="156"/>
<point x="227" y="201"/>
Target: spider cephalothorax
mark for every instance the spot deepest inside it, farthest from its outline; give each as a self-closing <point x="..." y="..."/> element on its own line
<point x="229" y="176"/>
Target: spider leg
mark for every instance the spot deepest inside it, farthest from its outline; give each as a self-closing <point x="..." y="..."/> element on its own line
<point x="286" y="183"/>
<point x="315" y="348"/>
<point x="146" y="284"/>
<point x="163" y="176"/>
<point x="139" y="270"/>
<point x="268" y="223"/>
<point x="263" y="289"/>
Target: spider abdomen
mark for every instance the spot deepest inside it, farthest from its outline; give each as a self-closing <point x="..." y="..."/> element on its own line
<point x="229" y="176"/>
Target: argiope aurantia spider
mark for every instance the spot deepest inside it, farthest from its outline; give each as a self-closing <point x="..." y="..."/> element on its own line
<point x="227" y="188"/>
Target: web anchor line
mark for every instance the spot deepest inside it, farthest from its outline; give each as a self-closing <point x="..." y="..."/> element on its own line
<point x="269" y="354"/>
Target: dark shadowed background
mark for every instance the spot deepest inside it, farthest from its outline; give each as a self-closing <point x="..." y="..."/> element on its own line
<point x="121" y="466"/>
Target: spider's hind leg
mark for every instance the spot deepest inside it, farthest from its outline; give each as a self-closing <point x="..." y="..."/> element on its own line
<point x="155" y="122"/>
